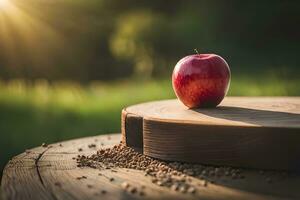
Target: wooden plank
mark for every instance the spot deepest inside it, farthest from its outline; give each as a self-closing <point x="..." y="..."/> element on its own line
<point x="58" y="174"/>
<point x="257" y="132"/>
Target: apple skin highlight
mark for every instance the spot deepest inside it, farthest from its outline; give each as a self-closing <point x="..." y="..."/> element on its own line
<point x="201" y="80"/>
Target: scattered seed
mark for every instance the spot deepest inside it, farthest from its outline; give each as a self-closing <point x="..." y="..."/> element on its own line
<point x="182" y="189"/>
<point x="44" y="145"/>
<point x="92" y="145"/>
<point x="175" y="187"/>
<point x="132" y="190"/>
<point x="125" y="185"/>
<point x="58" y="184"/>
<point x="81" y="177"/>
<point x="191" y="190"/>
<point x="159" y="183"/>
<point x="154" y="180"/>
<point x="80" y="149"/>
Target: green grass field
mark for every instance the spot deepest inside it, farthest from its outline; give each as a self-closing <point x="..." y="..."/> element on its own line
<point x="34" y="113"/>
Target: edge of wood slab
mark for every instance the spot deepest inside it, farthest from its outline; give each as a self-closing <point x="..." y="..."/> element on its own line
<point x="233" y="145"/>
<point x="132" y="130"/>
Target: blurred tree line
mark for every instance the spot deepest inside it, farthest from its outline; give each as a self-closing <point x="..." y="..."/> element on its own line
<point x="100" y="39"/>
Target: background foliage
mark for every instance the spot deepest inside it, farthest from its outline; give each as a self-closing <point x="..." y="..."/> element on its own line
<point x="68" y="67"/>
<point x="96" y="39"/>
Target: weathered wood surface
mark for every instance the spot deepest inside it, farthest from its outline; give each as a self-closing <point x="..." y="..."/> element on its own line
<point x="50" y="173"/>
<point x="256" y="132"/>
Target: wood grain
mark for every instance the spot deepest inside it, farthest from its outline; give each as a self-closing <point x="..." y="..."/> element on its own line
<point x="50" y="173"/>
<point x="255" y="132"/>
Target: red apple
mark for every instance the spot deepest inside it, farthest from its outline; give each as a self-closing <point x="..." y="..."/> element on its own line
<point x="201" y="80"/>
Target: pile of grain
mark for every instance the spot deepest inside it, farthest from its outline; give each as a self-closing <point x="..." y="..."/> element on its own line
<point x="174" y="175"/>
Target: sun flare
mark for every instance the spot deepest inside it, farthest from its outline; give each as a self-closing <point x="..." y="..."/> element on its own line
<point x="4" y="4"/>
<point x="22" y="31"/>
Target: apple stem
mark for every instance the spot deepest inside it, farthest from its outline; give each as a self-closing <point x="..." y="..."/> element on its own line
<point x="196" y="51"/>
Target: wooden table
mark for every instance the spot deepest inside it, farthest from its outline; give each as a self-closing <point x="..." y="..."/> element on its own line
<point x="51" y="173"/>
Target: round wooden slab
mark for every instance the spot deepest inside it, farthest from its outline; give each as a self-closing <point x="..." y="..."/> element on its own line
<point x="254" y="132"/>
<point x="51" y="173"/>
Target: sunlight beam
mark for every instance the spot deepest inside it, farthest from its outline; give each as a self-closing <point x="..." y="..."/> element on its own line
<point x="4" y="4"/>
<point x="25" y="37"/>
